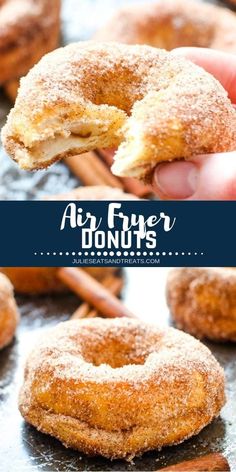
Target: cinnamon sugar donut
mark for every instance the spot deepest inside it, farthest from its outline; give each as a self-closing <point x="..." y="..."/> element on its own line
<point x="28" y="29"/>
<point x="34" y="280"/>
<point x="203" y="301"/>
<point x="120" y="387"/>
<point x="9" y="315"/>
<point x="170" y="24"/>
<point x="90" y="95"/>
<point x="44" y="280"/>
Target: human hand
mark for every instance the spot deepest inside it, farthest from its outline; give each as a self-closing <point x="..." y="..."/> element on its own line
<point x="205" y="177"/>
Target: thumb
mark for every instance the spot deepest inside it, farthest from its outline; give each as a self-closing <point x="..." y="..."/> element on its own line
<point x="206" y="177"/>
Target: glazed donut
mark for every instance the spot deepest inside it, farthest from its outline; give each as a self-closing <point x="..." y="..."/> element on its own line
<point x="9" y="315"/>
<point x="28" y="29"/>
<point x="89" y="95"/>
<point x="120" y="387"/>
<point x="203" y="301"/>
<point x="170" y="24"/>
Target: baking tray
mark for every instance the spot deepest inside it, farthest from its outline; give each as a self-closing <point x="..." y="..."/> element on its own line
<point x="23" y="448"/>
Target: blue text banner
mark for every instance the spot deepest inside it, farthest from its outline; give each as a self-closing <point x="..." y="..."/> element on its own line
<point x="126" y="233"/>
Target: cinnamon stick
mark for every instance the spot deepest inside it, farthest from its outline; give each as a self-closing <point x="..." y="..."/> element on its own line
<point x="130" y="185"/>
<point x="81" y="312"/>
<point x="210" y="462"/>
<point x="89" y="289"/>
<point x="112" y="283"/>
<point x="90" y="170"/>
<point x="92" y="314"/>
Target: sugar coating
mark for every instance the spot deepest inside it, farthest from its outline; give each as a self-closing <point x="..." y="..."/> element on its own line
<point x="9" y="315"/>
<point x="203" y="301"/>
<point x="28" y="29"/>
<point x="172" y="23"/>
<point x="120" y="387"/>
<point x="90" y="94"/>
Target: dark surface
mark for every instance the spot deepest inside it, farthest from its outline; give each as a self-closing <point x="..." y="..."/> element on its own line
<point x="23" y="448"/>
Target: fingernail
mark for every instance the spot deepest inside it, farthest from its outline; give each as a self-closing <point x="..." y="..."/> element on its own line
<point x="177" y="179"/>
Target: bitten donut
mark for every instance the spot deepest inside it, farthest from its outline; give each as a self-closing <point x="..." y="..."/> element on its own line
<point x="9" y="315"/>
<point x="120" y="387"/>
<point x="203" y="301"/>
<point x="170" y="24"/>
<point x="28" y="29"/>
<point x="157" y="106"/>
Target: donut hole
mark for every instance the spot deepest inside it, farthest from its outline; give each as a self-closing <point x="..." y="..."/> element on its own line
<point x="116" y="355"/>
<point x="118" y="351"/>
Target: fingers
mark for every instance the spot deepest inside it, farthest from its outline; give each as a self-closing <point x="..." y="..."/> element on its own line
<point x="177" y="180"/>
<point x="220" y="64"/>
<point x="211" y="177"/>
<point x="207" y="177"/>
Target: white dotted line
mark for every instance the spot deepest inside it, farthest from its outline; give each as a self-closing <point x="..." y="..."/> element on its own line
<point x="118" y="253"/>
